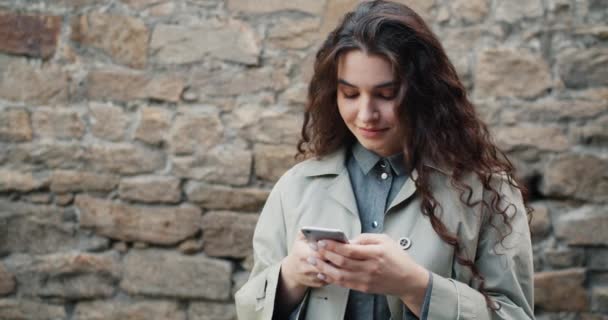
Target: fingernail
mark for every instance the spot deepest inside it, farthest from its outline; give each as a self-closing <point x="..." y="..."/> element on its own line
<point x="312" y="260"/>
<point x="322" y="244"/>
<point x="321" y="276"/>
<point x="313" y="246"/>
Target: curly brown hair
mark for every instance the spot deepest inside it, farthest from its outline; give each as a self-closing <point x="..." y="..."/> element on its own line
<point x="440" y="122"/>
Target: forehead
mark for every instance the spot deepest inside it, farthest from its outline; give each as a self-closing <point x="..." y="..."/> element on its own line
<point x="364" y="70"/>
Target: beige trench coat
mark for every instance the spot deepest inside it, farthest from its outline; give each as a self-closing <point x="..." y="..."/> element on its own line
<point x="319" y="193"/>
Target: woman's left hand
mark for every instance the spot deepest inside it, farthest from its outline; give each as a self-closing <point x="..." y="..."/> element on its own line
<point x="373" y="263"/>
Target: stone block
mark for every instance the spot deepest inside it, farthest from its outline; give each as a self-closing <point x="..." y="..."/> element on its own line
<point x="32" y="35"/>
<point x="150" y="189"/>
<point x="161" y="273"/>
<point x="123" y="38"/>
<point x="108" y="84"/>
<point x="24" y="309"/>
<point x="157" y="225"/>
<point x="15" y="125"/>
<point x="74" y="181"/>
<point x="232" y="41"/>
<point x="213" y="167"/>
<point x="506" y="72"/>
<point x="108" y="121"/>
<point x="204" y="310"/>
<point x="584" y="226"/>
<point x="153" y="125"/>
<point x="71" y="275"/>
<point x="58" y="123"/>
<point x="221" y="197"/>
<point x="119" y="310"/>
<point x="577" y="176"/>
<point x="561" y="290"/>
<point x="228" y="234"/>
<point x="581" y="68"/>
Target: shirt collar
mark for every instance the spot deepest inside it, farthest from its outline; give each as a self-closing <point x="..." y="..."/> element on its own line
<point x="368" y="159"/>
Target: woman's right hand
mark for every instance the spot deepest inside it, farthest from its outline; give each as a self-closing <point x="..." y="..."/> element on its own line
<point x="298" y="269"/>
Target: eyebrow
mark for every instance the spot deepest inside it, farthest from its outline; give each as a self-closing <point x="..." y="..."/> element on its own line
<point x="387" y="84"/>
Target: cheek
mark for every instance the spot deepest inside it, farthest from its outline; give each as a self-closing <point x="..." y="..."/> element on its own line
<point x="348" y="110"/>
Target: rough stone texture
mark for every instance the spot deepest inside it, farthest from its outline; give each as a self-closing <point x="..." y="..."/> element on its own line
<point x="109" y="84"/>
<point x="195" y="128"/>
<point x="597" y="259"/>
<point x="70" y="180"/>
<point x="561" y="290"/>
<point x="238" y="82"/>
<point x="11" y="180"/>
<point x="71" y="275"/>
<point x="59" y="124"/>
<point x="211" y="311"/>
<point x="24" y="82"/>
<point x="584" y="67"/>
<point x="579" y="176"/>
<point x="550" y="110"/>
<point x="268" y="6"/>
<point x="228" y="234"/>
<point x="232" y="41"/>
<point x="15" y="125"/>
<point x="191" y="246"/>
<point x="22" y="309"/>
<point x="119" y="310"/>
<point x="38" y="197"/>
<point x="584" y="226"/>
<point x="599" y="299"/>
<point x="470" y="10"/>
<point x="511" y="73"/>
<point x="564" y="258"/>
<point x="123" y="158"/>
<point x="41" y="229"/>
<point x="159" y="273"/>
<point x="108" y="122"/>
<point x="271" y="162"/>
<point x="531" y="138"/>
<point x="220" y="197"/>
<point x="7" y="281"/>
<point x="31" y="35"/>
<point x="299" y="34"/>
<point x="124" y="38"/>
<point x="151" y="189"/>
<point x="213" y="167"/>
<point x="158" y="225"/>
<point x="267" y="125"/>
<point x="541" y="221"/>
<point x="515" y="10"/>
<point x="154" y="124"/>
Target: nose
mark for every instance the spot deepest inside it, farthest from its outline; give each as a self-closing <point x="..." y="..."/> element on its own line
<point x="367" y="111"/>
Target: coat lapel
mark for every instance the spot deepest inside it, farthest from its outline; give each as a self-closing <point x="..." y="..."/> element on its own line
<point x="341" y="190"/>
<point x="408" y="189"/>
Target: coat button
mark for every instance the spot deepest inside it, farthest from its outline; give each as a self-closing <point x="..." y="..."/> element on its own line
<point x="405" y="243"/>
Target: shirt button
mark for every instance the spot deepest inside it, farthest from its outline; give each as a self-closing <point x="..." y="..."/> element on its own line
<point x="375" y="224"/>
<point x="384" y="176"/>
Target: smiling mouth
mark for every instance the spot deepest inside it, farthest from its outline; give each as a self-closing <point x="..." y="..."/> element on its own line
<point x="372" y="129"/>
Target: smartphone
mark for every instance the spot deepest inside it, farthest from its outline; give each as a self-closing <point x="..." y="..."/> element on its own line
<point x="317" y="233"/>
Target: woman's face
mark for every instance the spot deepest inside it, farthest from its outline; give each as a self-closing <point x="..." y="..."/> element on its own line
<point x="368" y="97"/>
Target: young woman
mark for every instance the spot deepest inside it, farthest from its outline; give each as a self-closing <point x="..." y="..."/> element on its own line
<point x="398" y="160"/>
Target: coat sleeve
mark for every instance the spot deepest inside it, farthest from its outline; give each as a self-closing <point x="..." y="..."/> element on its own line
<point x="506" y="266"/>
<point x="255" y="299"/>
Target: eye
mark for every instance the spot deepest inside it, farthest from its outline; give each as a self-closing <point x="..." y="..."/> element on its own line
<point x="350" y="95"/>
<point x="387" y="95"/>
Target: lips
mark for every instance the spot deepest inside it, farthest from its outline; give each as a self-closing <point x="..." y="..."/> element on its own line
<point x="371" y="132"/>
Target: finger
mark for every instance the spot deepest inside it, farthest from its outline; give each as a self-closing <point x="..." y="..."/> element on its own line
<point x="369" y="238"/>
<point x="341" y="261"/>
<point x="351" y="251"/>
<point x="331" y="274"/>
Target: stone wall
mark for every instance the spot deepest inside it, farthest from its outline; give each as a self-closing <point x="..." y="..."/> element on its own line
<point x="139" y="138"/>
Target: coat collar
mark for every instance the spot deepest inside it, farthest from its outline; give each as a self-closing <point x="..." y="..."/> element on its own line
<point x="334" y="164"/>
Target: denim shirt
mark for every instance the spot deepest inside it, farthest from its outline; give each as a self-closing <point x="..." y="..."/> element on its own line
<point x="375" y="181"/>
